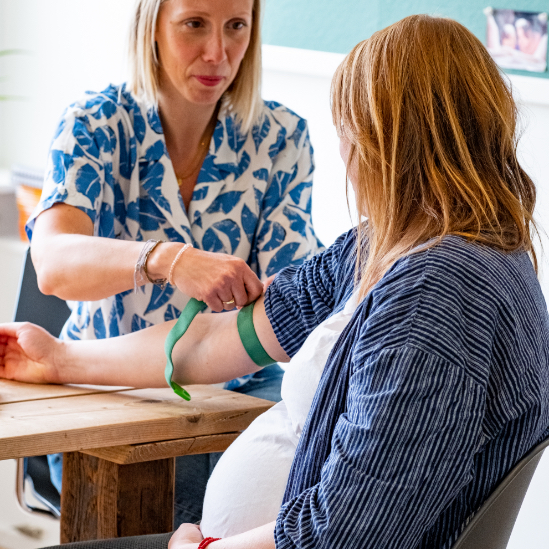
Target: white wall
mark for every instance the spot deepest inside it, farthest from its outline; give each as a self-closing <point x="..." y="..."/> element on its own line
<point x="72" y="46"/>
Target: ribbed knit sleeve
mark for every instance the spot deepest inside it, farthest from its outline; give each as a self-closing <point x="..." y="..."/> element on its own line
<point x="300" y="298"/>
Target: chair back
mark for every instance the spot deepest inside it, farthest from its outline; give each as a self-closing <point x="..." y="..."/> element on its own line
<point x="492" y="524"/>
<point x="47" y="311"/>
<point x="51" y="313"/>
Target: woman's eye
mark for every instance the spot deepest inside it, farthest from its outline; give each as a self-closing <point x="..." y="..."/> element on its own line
<point x="195" y="24"/>
<point x="237" y="25"/>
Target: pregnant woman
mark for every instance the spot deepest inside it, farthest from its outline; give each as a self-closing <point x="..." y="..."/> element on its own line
<point x="181" y="183"/>
<point x="419" y="340"/>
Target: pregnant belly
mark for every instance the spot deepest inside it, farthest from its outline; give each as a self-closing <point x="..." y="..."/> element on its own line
<point x="247" y="485"/>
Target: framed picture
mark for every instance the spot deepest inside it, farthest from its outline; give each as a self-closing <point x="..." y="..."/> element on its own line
<point x="517" y="39"/>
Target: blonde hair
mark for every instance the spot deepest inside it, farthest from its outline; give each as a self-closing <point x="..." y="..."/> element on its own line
<point x="243" y="97"/>
<point x="432" y="132"/>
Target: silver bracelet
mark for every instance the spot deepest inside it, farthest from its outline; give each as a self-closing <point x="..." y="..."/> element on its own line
<point x="140" y="274"/>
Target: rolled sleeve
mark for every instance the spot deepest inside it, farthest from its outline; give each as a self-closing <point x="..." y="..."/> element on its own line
<point x="300" y="298"/>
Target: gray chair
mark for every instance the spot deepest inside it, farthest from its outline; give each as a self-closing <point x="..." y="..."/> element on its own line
<point x="154" y="541"/>
<point x="50" y="312"/>
<point x="492" y="524"/>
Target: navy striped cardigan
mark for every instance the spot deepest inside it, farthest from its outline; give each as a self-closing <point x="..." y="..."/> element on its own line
<point x="436" y="388"/>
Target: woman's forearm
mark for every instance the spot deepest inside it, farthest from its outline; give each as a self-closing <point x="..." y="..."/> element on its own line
<point x="209" y="352"/>
<point x="73" y="264"/>
<point x="258" y="538"/>
<point x="135" y="360"/>
<point x="84" y="268"/>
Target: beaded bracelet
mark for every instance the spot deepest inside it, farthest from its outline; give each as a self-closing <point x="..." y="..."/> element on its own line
<point x="179" y="254"/>
<point x="206" y="541"/>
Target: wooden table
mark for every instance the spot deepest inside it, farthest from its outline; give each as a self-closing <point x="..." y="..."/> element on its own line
<point x="119" y="447"/>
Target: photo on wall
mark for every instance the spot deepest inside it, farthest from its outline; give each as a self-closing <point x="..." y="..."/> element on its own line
<point x="517" y="39"/>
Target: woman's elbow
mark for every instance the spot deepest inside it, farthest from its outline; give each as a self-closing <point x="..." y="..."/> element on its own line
<point x="49" y="273"/>
<point x="48" y="281"/>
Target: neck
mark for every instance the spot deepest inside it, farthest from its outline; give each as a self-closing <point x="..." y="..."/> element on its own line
<point x="184" y="124"/>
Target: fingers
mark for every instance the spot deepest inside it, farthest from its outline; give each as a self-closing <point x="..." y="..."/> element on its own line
<point x="268" y="282"/>
<point x="240" y="295"/>
<point x="254" y="287"/>
<point x="222" y="281"/>
<point x="11" y="329"/>
<point x="214" y="303"/>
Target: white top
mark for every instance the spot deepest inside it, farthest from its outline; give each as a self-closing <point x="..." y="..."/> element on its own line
<point x="247" y="485"/>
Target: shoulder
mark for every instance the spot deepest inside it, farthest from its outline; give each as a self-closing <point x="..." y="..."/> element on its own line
<point x="285" y="118"/>
<point x="97" y="104"/>
<point x="278" y="134"/>
<point x="113" y="111"/>
<point x="338" y="262"/>
<point x="478" y="272"/>
<point x="455" y="268"/>
<point x="108" y="107"/>
<point x="449" y="300"/>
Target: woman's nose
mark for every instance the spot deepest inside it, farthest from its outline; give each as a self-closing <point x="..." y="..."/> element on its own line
<point x="214" y="48"/>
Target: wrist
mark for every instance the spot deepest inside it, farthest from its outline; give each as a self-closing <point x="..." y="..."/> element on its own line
<point x="207" y="542"/>
<point x="161" y="259"/>
<point x="61" y="363"/>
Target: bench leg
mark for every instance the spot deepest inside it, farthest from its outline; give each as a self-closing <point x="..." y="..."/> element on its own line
<point x="101" y="499"/>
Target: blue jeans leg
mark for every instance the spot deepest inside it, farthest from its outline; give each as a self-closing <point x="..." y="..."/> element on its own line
<point x="55" y="461"/>
<point x="192" y="472"/>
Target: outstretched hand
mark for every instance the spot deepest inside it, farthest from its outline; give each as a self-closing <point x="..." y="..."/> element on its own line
<point x="28" y="353"/>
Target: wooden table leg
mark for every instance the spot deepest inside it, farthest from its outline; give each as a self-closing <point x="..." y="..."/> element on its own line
<point x="101" y="499"/>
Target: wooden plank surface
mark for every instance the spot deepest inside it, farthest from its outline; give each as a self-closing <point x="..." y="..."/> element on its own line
<point x="135" y="416"/>
<point x="137" y="453"/>
<point x="13" y="391"/>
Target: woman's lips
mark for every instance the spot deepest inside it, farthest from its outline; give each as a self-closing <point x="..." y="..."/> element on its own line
<point x="209" y="80"/>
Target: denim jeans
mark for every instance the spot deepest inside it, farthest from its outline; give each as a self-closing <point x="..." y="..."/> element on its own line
<point x="192" y="472"/>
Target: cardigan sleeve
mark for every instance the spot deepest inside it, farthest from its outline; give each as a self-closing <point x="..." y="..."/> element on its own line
<point x="301" y="297"/>
<point x="399" y="455"/>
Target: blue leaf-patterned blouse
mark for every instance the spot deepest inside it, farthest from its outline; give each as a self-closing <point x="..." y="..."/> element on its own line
<point x="252" y="198"/>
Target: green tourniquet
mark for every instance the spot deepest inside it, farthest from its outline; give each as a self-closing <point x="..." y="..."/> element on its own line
<point x="248" y="336"/>
<point x="184" y="321"/>
<point x="246" y="331"/>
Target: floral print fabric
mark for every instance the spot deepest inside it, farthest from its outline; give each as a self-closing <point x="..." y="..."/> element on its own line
<point x="252" y="198"/>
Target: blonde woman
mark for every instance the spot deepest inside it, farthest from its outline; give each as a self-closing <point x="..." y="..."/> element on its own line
<point x="181" y="183"/>
<point x="419" y="340"/>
